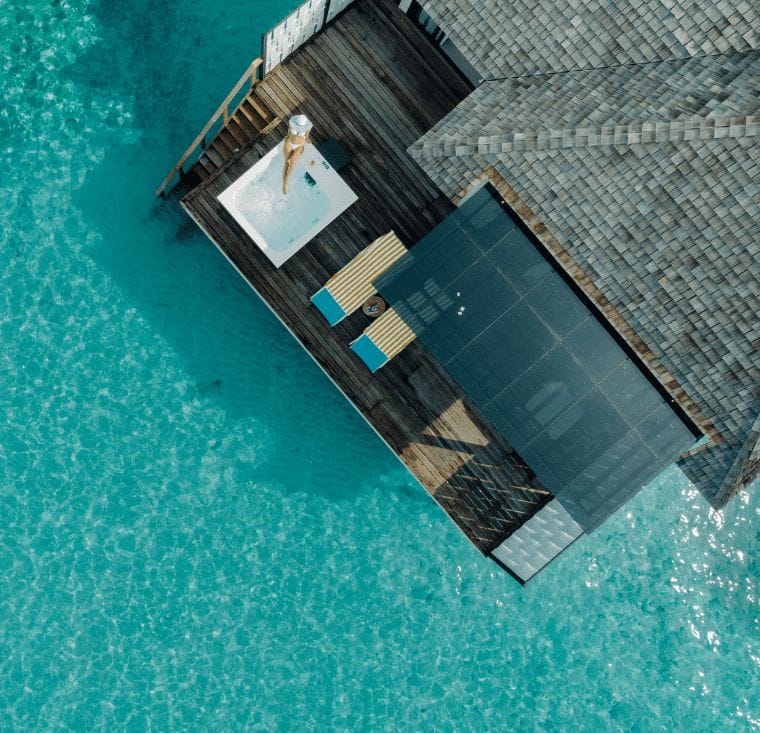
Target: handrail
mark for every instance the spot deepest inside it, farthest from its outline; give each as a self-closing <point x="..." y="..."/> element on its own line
<point x="249" y="76"/>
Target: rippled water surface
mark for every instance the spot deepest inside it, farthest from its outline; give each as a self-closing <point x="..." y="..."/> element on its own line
<point x="198" y="533"/>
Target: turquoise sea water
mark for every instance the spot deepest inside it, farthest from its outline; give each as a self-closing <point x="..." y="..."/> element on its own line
<point x="198" y="533"/>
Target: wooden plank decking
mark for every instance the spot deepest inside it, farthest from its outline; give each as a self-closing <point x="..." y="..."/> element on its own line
<point x="372" y="80"/>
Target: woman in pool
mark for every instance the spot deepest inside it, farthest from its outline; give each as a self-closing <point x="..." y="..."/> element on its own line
<point x="299" y="133"/>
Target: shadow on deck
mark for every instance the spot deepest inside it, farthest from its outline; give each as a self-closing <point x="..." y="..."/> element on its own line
<point x="375" y="82"/>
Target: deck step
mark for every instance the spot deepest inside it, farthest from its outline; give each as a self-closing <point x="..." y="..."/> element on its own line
<point x="228" y="140"/>
<point x="261" y="109"/>
<point x="247" y="128"/>
<point x="245" y="110"/>
<point x="205" y="166"/>
<point x="224" y="150"/>
<point x="237" y="132"/>
<point x="200" y="168"/>
<point x="247" y="113"/>
<point x="256" y="118"/>
<point x="214" y="157"/>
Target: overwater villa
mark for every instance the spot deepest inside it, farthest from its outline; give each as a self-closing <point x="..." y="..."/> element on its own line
<point x="521" y="238"/>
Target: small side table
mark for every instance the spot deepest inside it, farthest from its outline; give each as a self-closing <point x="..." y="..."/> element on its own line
<point x="335" y="153"/>
<point x="374" y="306"/>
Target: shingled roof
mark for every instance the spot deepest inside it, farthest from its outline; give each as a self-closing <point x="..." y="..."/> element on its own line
<point x="524" y="37"/>
<point x="642" y="178"/>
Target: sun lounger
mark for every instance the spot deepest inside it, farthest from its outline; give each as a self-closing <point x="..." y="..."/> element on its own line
<point x="348" y="288"/>
<point x="383" y="340"/>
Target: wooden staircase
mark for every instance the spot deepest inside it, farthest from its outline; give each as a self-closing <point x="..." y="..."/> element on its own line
<point x="252" y="119"/>
<point x="241" y="122"/>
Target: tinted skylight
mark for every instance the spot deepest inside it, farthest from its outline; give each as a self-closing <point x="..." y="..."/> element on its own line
<point x="535" y="359"/>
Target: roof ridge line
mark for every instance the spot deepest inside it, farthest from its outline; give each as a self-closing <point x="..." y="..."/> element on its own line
<point x="606" y="67"/>
<point x="636" y="132"/>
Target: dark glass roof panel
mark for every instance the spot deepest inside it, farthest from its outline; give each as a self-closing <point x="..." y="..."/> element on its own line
<point x="543" y="393"/>
<point x="487" y="226"/>
<point x="581" y="435"/>
<point x="535" y="358"/>
<point x="465" y="308"/>
<point x="663" y="432"/>
<point x="591" y="343"/>
<point x="557" y="305"/>
<point x="630" y="391"/>
<point x="517" y="260"/>
<point x="506" y="348"/>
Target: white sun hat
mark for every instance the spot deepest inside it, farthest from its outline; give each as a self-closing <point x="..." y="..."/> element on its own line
<point x="299" y="124"/>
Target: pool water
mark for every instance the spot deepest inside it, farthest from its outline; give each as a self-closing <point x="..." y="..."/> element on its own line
<point x="280" y="224"/>
<point x="267" y="208"/>
<point x="280" y="219"/>
<point x="198" y="533"/>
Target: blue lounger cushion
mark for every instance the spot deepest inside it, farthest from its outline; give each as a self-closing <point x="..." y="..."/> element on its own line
<point x="328" y="306"/>
<point x="369" y="352"/>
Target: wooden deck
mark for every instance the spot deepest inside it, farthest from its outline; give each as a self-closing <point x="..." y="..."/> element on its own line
<point x="372" y="80"/>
